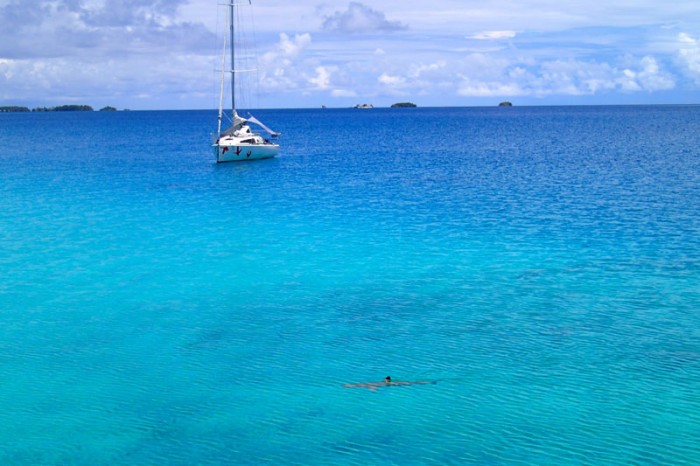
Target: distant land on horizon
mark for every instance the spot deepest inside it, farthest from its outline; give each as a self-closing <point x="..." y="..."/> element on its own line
<point x="60" y="108"/>
<point x="88" y="108"/>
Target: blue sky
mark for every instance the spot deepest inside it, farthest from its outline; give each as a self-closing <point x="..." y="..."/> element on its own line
<point x="162" y="54"/>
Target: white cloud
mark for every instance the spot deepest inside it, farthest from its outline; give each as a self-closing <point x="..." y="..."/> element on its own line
<point x="279" y="69"/>
<point x="569" y="77"/>
<point x="418" y="70"/>
<point x="58" y="28"/>
<point x="343" y="93"/>
<point x="389" y="80"/>
<point x="360" y="18"/>
<point x="648" y="78"/>
<point x="322" y="80"/>
<point x="6" y="68"/>
<point x="493" y="35"/>
<point x="689" y="54"/>
<point x="472" y="88"/>
<point x="60" y="81"/>
<point x="291" y="48"/>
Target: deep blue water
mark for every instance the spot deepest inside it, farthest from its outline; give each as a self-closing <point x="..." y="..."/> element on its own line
<point x="540" y="264"/>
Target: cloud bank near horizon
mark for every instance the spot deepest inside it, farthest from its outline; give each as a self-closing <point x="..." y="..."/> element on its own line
<point x="162" y="54"/>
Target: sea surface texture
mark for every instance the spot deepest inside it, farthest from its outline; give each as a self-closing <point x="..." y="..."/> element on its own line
<point x="540" y="265"/>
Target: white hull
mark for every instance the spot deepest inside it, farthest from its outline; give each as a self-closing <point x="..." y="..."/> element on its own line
<point x="240" y="152"/>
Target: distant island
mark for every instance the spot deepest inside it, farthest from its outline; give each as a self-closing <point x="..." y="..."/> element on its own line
<point x="404" y="105"/>
<point x="14" y="109"/>
<point x="364" y="106"/>
<point x="505" y="104"/>
<point x="65" y="108"/>
<point x="60" y="108"/>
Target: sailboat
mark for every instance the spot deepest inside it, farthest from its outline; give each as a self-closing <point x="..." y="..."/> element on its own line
<point x="240" y="141"/>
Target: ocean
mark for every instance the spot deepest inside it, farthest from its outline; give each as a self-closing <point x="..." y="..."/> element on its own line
<point x="539" y="266"/>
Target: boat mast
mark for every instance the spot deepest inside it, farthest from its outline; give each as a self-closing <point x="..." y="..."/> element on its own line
<point x="233" y="58"/>
<point x="221" y="90"/>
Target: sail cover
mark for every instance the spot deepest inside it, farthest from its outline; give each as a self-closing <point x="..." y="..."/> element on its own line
<point x="254" y="120"/>
<point x="237" y="123"/>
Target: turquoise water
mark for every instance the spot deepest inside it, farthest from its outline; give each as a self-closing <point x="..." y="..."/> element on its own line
<point x="540" y="264"/>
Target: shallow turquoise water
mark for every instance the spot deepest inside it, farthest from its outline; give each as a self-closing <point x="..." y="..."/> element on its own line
<point x="540" y="264"/>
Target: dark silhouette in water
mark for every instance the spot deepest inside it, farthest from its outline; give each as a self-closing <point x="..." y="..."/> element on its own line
<point x="386" y="383"/>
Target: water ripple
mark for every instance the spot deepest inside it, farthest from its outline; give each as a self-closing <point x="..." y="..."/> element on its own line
<point x="541" y="267"/>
